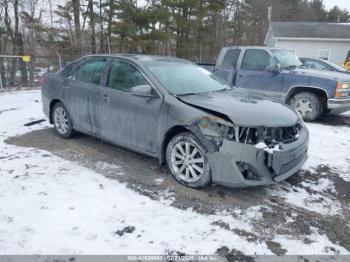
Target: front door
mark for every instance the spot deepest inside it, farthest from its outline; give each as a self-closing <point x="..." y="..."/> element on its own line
<point x="254" y="75"/>
<point x="127" y="118"/>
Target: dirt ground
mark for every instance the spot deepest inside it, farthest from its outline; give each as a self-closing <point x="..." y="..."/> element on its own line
<point x="144" y="175"/>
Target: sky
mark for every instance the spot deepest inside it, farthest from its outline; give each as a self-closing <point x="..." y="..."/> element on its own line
<point x="344" y="4"/>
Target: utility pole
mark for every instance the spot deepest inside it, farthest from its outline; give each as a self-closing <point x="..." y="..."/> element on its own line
<point x="269" y="13"/>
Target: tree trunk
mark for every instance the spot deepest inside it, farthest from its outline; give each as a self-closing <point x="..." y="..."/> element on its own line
<point x="31" y="71"/>
<point x="9" y="33"/>
<point x="76" y="15"/>
<point x="101" y="29"/>
<point x="2" y="68"/>
<point x="23" y="66"/>
<point x="7" y="20"/>
<point x="199" y="31"/>
<point x="14" y="44"/>
<point x="92" y="27"/>
<point x="109" y="23"/>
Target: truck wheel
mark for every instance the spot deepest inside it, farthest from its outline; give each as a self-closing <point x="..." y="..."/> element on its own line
<point x="187" y="161"/>
<point x="308" y="105"/>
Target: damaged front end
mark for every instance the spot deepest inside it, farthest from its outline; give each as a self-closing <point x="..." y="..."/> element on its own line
<point x="250" y="156"/>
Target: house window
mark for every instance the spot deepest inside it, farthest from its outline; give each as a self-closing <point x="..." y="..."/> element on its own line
<point x="324" y="54"/>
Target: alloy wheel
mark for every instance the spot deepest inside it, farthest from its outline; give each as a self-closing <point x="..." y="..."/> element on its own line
<point x="61" y="120"/>
<point x="187" y="162"/>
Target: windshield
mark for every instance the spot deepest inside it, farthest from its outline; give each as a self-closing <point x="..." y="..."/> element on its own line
<point x="286" y="58"/>
<point x="181" y="79"/>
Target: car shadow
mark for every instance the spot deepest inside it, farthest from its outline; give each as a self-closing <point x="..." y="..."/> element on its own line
<point x="334" y="120"/>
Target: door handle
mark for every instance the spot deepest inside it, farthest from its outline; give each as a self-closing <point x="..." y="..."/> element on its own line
<point x="106" y="98"/>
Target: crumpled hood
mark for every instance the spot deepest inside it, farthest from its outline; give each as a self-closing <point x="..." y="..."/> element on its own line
<point x="337" y="76"/>
<point x="244" y="109"/>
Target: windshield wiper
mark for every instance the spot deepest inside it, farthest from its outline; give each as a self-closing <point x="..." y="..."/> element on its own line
<point x="187" y="94"/>
<point x="293" y="66"/>
<point x="290" y="67"/>
<point x="219" y="90"/>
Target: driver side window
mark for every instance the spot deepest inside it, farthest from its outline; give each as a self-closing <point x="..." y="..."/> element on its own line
<point x="255" y="59"/>
<point x="123" y="76"/>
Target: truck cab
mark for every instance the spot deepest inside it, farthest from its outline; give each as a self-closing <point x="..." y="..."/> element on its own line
<point x="279" y="74"/>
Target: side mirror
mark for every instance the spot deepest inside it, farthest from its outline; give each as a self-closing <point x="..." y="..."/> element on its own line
<point x="274" y="69"/>
<point x="142" y="90"/>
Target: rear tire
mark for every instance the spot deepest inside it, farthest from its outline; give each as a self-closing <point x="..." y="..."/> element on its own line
<point x="62" y="121"/>
<point x="187" y="161"/>
<point x="308" y="105"/>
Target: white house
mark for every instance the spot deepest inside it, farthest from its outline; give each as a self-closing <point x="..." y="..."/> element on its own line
<point x="330" y="41"/>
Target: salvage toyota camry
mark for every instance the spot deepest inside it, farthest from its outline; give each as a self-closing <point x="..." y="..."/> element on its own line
<point x="171" y="109"/>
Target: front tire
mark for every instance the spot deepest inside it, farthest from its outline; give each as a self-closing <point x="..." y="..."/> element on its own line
<point x="187" y="161"/>
<point x="308" y="105"/>
<point x="62" y="121"/>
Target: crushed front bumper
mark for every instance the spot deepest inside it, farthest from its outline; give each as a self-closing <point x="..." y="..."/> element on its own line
<point x="267" y="166"/>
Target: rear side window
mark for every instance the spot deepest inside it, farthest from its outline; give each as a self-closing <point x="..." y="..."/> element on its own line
<point x="255" y="59"/>
<point x="123" y="76"/>
<point x="91" y="71"/>
<point x="231" y="57"/>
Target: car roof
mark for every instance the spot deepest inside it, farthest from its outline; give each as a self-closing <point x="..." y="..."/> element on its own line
<point x="254" y="47"/>
<point x="311" y="58"/>
<point x="141" y="58"/>
<point x="316" y="59"/>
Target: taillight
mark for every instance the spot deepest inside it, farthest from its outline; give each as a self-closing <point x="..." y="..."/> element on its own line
<point x="42" y="81"/>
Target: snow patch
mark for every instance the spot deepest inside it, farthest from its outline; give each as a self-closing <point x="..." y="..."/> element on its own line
<point x="329" y="145"/>
<point x="316" y="241"/>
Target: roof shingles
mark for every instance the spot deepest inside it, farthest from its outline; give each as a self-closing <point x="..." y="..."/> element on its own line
<point x="311" y="30"/>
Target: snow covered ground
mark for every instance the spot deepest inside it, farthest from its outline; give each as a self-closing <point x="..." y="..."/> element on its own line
<point x="49" y="205"/>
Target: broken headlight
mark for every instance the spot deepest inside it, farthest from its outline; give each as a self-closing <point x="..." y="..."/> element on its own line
<point x="216" y="127"/>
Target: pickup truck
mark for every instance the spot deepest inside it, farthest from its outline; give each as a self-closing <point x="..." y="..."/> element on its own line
<point x="279" y="74"/>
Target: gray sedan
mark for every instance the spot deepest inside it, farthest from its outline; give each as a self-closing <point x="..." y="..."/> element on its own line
<point x="173" y="110"/>
<point x="322" y="65"/>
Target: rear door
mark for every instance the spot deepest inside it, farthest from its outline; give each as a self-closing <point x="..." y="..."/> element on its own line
<point x="129" y="119"/>
<point x="81" y="88"/>
<point x="253" y="74"/>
